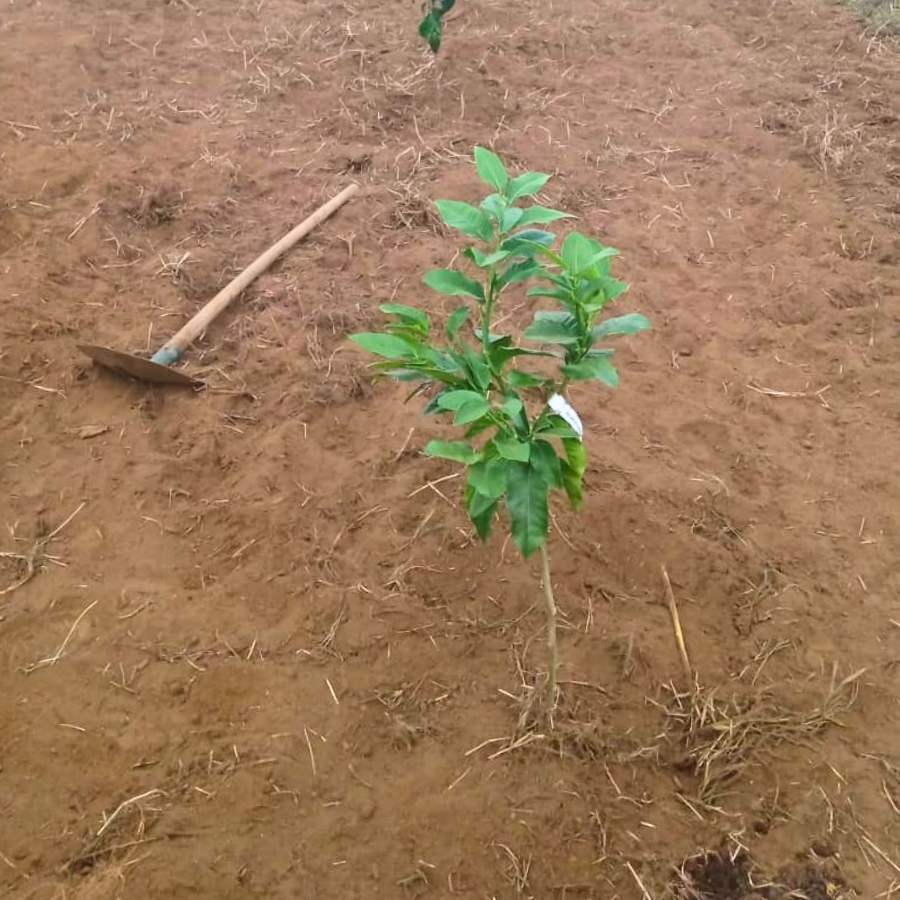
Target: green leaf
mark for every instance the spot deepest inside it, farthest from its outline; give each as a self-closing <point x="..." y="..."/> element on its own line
<point x="444" y="371"/>
<point x="578" y="252"/>
<point x="576" y="455"/>
<point x="475" y="365"/>
<point x="545" y="461"/>
<point x="488" y="477"/>
<point x="453" y="284"/>
<point x="512" y="407"/>
<point x="526" y="502"/>
<point x="592" y="368"/>
<point x="633" y="323"/>
<point x="541" y="215"/>
<point x="490" y="169"/>
<point x="493" y="205"/>
<point x="600" y="255"/>
<point x="526" y="185"/>
<point x="520" y="271"/>
<point x="478" y="427"/>
<point x="493" y="337"/>
<point x="407" y="314"/>
<point x="471" y="411"/>
<point x="613" y="288"/>
<point x="510" y="218"/>
<point x="484" y="261"/>
<point x="387" y="345"/>
<point x="548" y="329"/>
<point x="512" y="449"/>
<point x="456" y="451"/>
<point x="433" y="407"/>
<point x="456" y="399"/>
<point x="555" y="426"/>
<point x="431" y="29"/>
<point x="557" y="293"/>
<point x="518" y="379"/>
<point x="466" y="218"/>
<point x="481" y="510"/>
<point x="456" y="321"/>
<point x="522" y="242"/>
<point x="475" y="255"/>
<point x="572" y="484"/>
<point x="493" y="258"/>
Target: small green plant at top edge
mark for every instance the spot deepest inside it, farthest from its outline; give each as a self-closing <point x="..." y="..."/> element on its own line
<point x="521" y="438"/>
<point x="431" y="28"/>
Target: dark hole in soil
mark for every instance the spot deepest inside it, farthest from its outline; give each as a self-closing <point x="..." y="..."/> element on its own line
<point x="725" y="875"/>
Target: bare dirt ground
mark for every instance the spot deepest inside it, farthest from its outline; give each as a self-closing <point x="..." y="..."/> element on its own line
<point x="265" y="658"/>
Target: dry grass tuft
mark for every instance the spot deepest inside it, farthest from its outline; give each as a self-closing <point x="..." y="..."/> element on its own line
<point x="412" y="209"/>
<point x="722" y="736"/>
<point x="832" y="142"/>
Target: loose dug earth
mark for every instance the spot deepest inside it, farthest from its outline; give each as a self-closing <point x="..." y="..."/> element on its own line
<point x="266" y="656"/>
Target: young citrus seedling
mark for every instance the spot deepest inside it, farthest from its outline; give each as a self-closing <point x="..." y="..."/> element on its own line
<point x="521" y="439"/>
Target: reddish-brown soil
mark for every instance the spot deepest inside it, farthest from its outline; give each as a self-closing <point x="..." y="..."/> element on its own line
<point x="264" y="645"/>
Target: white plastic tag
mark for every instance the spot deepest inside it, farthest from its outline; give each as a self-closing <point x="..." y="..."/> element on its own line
<point x="561" y="407"/>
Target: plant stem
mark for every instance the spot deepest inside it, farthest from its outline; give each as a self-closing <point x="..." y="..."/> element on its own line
<point x="551" y="628"/>
<point x="486" y="324"/>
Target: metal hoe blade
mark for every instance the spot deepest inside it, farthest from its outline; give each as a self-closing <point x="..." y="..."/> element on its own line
<point x="137" y="366"/>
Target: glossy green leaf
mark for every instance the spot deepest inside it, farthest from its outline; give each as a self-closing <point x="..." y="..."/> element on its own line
<point x="553" y="330"/>
<point x="546" y="462"/>
<point x="578" y="252"/>
<point x="476" y="428"/>
<point x="519" y="271"/>
<point x="471" y="411"/>
<point x="512" y="450"/>
<point x="476" y="256"/>
<point x="512" y="407"/>
<point x="453" y="284"/>
<point x="518" y="379"/>
<point x="476" y="367"/>
<point x="633" y="323"/>
<point x="481" y="510"/>
<point x="494" y="206"/>
<point x="526" y="185"/>
<point x="510" y="218"/>
<point x="407" y="314"/>
<point x="592" y="368"/>
<point x="526" y="502"/>
<point x="488" y="477"/>
<point x="387" y="345"/>
<point x="576" y="455"/>
<point x="493" y="258"/>
<point x="454" y="400"/>
<point x="555" y="293"/>
<point x="613" y="288"/>
<point x="485" y="261"/>
<point x="456" y="451"/>
<point x="490" y="169"/>
<point x="555" y="426"/>
<point x="456" y="320"/>
<point x="522" y="243"/>
<point x="431" y="28"/>
<point x="541" y="215"/>
<point x="466" y="218"/>
<point x="601" y="255"/>
<point x="423" y="369"/>
<point x="573" y="486"/>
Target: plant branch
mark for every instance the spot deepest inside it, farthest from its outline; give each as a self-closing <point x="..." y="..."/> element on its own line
<point x="551" y="628"/>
